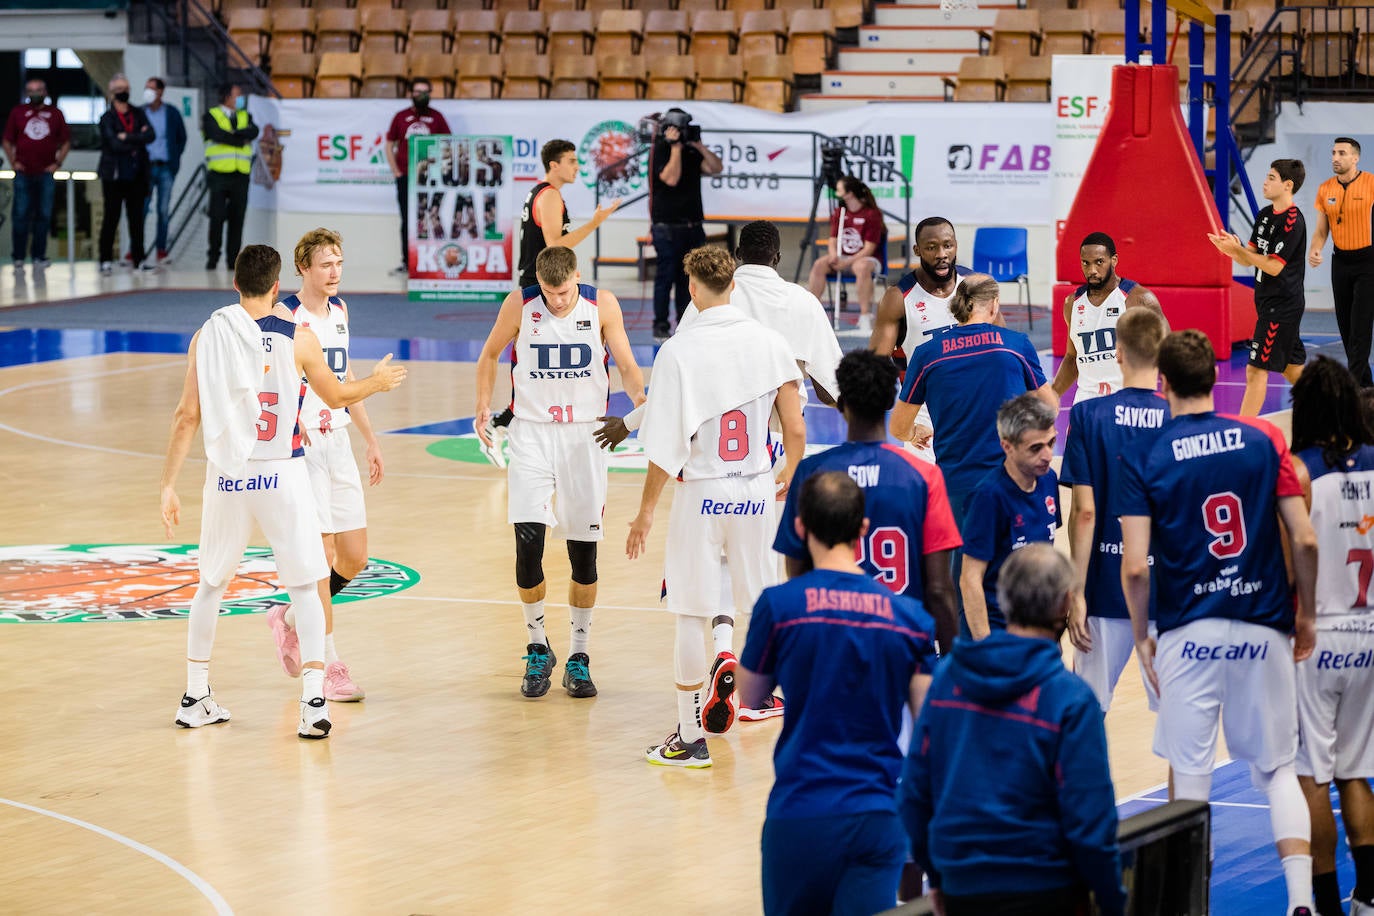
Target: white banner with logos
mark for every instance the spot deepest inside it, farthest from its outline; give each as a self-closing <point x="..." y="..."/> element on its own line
<point x="1080" y="91"/>
<point x="969" y="162"/>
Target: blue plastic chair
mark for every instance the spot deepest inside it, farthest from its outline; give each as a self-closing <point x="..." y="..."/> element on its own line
<point x="1001" y="252"/>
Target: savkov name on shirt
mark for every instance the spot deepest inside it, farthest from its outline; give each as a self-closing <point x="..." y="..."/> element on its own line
<point x="1139" y="417"/>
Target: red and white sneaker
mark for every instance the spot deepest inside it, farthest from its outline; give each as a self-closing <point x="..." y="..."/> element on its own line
<point x="718" y="704"/>
<point x="288" y="647"/>
<point x="771" y="709"/>
<point x="339" y="686"/>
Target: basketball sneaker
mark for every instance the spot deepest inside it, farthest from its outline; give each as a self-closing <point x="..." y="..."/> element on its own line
<point x="496" y="452"/>
<point x="674" y="752"/>
<point x="577" y="679"/>
<point x="771" y="709"/>
<point x="539" y="662"/>
<point x="718" y="705"/>
<point x="205" y="711"/>
<point x="288" y="647"/>
<point x="314" y="719"/>
<point x="339" y="685"/>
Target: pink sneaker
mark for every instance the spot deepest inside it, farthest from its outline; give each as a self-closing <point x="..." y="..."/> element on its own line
<point x="339" y="686"/>
<point x="288" y="647"/>
<point x="771" y="709"/>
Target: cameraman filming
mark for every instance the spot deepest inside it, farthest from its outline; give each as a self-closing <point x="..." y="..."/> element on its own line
<point x="676" y="163"/>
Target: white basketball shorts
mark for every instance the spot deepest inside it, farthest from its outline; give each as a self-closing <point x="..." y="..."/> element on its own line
<point x="1113" y="643"/>
<point x="736" y="515"/>
<point x="557" y="477"/>
<point x="1336" y="708"/>
<point x="334" y="479"/>
<point x="1238" y="672"/>
<point x="277" y="495"/>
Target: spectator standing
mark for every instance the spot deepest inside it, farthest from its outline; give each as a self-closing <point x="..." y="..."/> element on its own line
<point x="417" y="119"/>
<point x="36" y="140"/>
<point x="229" y="134"/>
<point x="164" y="157"/>
<point x="123" y="170"/>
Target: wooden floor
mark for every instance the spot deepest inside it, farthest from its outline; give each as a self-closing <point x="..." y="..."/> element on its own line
<point x="443" y="792"/>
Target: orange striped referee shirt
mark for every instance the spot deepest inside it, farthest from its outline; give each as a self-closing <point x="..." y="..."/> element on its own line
<point x="1347" y="209"/>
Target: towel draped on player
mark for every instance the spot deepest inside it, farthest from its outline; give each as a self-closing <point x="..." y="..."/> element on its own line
<point x="228" y="372"/>
<point x="734" y="360"/>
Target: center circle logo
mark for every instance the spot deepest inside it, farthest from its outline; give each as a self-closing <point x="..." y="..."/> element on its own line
<point x="611" y="144"/>
<point x="82" y="583"/>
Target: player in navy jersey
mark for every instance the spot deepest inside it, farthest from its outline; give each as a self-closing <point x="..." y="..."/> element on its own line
<point x="1208" y="496"/>
<point x="964" y="375"/>
<point x="1014" y="506"/>
<point x="1333" y="454"/>
<point x="911" y="531"/>
<point x="246" y="378"/>
<point x="1276" y="252"/>
<point x="1103" y="433"/>
<point x="832" y="842"/>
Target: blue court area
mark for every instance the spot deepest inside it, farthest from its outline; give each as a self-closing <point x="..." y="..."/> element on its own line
<point x="1246" y="875"/>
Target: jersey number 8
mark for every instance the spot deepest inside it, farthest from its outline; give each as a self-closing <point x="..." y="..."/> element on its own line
<point x="734" y="436"/>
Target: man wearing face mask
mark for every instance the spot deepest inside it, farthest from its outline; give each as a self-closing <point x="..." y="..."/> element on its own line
<point x="164" y="156"/>
<point x="36" y="140"/>
<point x="123" y="170"/>
<point x="419" y="118"/>
<point x="229" y="134"/>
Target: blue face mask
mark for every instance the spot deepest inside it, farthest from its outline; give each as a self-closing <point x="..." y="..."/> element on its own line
<point x="241" y="103"/>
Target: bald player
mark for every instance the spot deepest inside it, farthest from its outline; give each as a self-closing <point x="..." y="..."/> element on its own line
<point x="918" y="305"/>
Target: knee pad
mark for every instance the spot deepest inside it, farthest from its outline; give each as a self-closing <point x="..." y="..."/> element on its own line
<point x="529" y="553"/>
<point x="1288" y="812"/>
<point x="582" y="558"/>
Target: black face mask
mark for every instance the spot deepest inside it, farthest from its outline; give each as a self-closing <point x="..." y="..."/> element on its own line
<point x="421" y="102"/>
<point x="37" y="99"/>
<point x="122" y="97"/>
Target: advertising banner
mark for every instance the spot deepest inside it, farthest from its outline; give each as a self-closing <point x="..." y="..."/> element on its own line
<point x="462" y="218"/>
<point x="980" y="163"/>
<point x="1080" y="90"/>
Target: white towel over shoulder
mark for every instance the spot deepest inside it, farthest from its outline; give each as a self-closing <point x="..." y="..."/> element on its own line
<point x="721" y="360"/>
<point x="228" y="371"/>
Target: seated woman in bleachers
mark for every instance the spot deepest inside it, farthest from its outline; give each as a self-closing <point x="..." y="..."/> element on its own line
<point x="857" y="237"/>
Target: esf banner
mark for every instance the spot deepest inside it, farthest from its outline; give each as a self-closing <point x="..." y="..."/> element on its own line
<point x="462" y="218"/>
<point x="968" y="162"/>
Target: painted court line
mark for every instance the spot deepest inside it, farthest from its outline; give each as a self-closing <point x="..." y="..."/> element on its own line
<point x="196" y="881"/>
<point x="599" y="607"/>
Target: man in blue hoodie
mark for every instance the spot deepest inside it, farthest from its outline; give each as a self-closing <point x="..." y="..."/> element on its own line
<point x="1007" y="795"/>
<point x="848" y="654"/>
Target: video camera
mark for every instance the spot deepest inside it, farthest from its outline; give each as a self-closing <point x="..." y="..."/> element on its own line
<point x="652" y="127"/>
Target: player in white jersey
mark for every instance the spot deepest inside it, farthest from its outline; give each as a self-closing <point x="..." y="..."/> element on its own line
<point x="716" y="382"/>
<point x="562" y="331"/>
<point x="244" y="383"/>
<point x="1333" y="454"/>
<point x="329" y="457"/>
<point x="1091" y="314"/>
<point x="918" y="306"/>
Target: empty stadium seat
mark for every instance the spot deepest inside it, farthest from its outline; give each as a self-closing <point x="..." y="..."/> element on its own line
<point x="526" y="76"/>
<point x="340" y="75"/>
<point x="337" y="31"/>
<point x="293" y="74"/>
<point x="666" y="32"/>
<point x="788" y="7"/>
<point x="384" y="75"/>
<point x="431" y="30"/>
<point x="1028" y="79"/>
<point x="293" y="29"/>
<point x="714" y="32"/>
<point x="479" y="77"/>
<point x="550" y="7"/>
<point x="619" y="32"/>
<point x="720" y="78"/>
<point x="251" y="31"/>
<point x="768" y="81"/>
<point x="763" y="32"/>
<point x="1328" y="47"/>
<point x="811" y="40"/>
<point x="1109" y="32"/>
<point x="601" y="6"/>
<point x="1065" y="32"/>
<point x="847" y="14"/>
<point x="1015" y="33"/>
<point x="524" y="30"/>
<point x="477" y="32"/>
<point x="672" y="76"/>
<point x="385" y="29"/>
<point x="622" y="78"/>
<point x="570" y="32"/>
<point x="981" y="79"/>
<point x="435" y="66"/>
<point x="574" y="77"/>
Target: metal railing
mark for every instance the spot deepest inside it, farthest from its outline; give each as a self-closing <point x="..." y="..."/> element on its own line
<point x="187" y="206"/>
<point x="628" y="166"/>
<point x="172" y="20"/>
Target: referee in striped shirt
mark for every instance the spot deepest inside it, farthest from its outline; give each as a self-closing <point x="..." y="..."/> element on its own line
<point x="1344" y="202"/>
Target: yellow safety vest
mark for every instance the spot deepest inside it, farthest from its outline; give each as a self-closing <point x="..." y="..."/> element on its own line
<point x="221" y="157"/>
